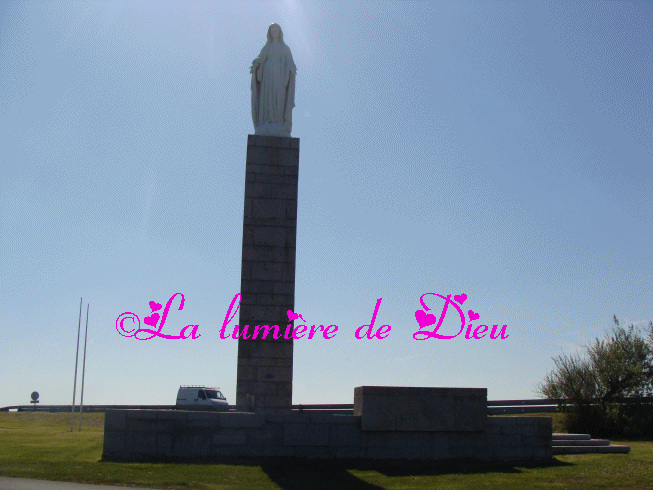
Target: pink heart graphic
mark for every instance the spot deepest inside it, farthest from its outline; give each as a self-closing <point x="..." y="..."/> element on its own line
<point x="294" y="316"/>
<point x="460" y="298"/>
<point x="423" y="319"/>
<point x="154" y="306"/>
<point x="473" y="316"/>
<point x="151" y="320"/>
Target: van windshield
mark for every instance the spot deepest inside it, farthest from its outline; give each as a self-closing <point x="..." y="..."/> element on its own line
<point x="214" y="394"/>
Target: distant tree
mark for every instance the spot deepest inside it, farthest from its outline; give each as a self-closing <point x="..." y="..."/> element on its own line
<point x="619" y="366"/>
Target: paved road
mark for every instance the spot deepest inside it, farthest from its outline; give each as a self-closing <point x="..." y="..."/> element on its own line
<point x="29" y="484"/>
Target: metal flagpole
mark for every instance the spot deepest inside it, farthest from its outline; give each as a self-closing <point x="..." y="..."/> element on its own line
<point x="81" y="401"/>
<point x="79" y="326"/>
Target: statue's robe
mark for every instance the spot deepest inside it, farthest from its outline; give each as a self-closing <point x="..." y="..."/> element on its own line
<point x="273" y="85"/>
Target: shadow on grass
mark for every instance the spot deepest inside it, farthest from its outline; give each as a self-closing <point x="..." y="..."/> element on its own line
<point x="304" y="474"/>
<point x="297" y="474"/>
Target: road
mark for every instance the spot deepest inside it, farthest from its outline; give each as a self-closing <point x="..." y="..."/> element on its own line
<point x="29" y="484"/>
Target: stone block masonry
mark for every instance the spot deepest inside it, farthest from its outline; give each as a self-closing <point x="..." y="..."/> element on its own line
<point x="388" y="408"/>
<point x="150" y="435"/>
<point x="267" y="287"/>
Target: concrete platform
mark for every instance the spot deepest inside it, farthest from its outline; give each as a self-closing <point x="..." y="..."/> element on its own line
<point x="450" y="430"/>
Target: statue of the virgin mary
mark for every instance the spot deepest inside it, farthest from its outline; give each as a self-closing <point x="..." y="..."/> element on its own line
<point x="273" y="86"/>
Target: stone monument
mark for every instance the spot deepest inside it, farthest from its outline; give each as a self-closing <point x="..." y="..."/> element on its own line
<point x="386" y="424"/>
<point x="264" y="379"/>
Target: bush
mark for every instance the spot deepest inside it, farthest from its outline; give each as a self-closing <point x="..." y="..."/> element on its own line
<point x="604" y="391"/>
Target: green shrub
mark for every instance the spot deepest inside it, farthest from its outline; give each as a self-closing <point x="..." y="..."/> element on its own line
<point x="605" y="390"/>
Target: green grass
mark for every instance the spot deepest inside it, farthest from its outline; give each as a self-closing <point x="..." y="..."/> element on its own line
<point x="39" y="445"/>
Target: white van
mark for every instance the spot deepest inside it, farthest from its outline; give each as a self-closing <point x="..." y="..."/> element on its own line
<point x="201" y="398"/>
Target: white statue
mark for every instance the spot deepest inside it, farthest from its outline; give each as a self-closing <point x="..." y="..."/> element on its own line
<point x="273" y="86"/>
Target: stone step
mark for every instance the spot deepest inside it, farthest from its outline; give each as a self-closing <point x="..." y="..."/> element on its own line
<point x="570" y="437"/>
<point x="590" y="449"/>
<point x="584" y="442"/>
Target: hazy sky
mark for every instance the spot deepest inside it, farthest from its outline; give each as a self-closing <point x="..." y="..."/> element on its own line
<point x="499" y="149"/>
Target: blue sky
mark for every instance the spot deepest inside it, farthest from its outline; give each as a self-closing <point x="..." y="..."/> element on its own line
<point x="497" y="149"/>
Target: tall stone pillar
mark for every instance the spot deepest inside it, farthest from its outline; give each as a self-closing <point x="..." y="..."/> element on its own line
<point x="267" y="284"/>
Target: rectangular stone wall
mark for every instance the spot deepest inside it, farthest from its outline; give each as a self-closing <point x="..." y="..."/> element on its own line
<point x="519" y="437"/>
<point x="421" y="409"/>
<point x="264" y="378"/>
<point x="146" y="435"/>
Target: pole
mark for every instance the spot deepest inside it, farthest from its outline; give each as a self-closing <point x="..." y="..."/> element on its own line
<point x="79" y="326"/>
<point x="81" y="401"/>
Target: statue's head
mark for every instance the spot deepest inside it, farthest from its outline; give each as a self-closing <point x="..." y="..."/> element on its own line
<point x="275" y="33"/>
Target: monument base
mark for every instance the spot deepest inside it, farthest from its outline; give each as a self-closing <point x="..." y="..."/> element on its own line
<point x="409" y="424"/>
<point x="273" y="129"/>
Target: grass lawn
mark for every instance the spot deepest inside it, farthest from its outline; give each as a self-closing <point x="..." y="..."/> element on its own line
<point x="39" y="445"/>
